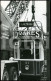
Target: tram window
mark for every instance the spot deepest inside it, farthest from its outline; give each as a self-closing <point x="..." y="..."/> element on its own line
<point x="22" y="45"/>
<point x="37" y="48"/>
<point x="37" y="53"/>
<point x="29" y="44"/>
<point x="15" y="51"/>
<point x="26" y="52"/>
<point x="37" y="44"/>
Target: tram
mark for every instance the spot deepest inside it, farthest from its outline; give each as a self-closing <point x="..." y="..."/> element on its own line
<point x="28" y="50"/>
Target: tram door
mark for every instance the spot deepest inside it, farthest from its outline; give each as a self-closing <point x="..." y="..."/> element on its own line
<point x="26" y="49"/>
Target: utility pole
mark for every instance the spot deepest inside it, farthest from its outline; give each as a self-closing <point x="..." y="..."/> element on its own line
<point x="48" y="49"/>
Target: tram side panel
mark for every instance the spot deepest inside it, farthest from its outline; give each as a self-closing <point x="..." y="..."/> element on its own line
<point x="31" y="67"/>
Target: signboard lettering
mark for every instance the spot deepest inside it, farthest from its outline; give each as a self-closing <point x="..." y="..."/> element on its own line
<point x="26" y="24"/>
<point x="28" y="33"/>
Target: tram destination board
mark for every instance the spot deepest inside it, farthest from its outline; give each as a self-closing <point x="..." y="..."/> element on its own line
<point x="26" y="24"/>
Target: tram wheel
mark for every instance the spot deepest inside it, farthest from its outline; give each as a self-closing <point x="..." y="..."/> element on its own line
<point x="5" y="75"/>
<point x="13" y="74"/>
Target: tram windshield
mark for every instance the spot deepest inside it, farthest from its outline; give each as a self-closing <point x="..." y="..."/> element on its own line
<point x="26" y="50"/>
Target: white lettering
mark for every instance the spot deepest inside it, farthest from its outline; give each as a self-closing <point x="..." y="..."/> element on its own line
<point x="37" y="34"/>
<point x="24" y="33"/>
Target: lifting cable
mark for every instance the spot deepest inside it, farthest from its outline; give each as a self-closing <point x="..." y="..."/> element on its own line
<point x="25" y="17"/>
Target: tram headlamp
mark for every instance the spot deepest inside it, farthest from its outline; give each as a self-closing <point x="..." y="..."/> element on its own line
<point x="42" y="69"/>
<point x="19" y="73"/>
<point x="26" y="67"/>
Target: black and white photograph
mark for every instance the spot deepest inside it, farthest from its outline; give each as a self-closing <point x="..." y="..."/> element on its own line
<point x="25" y="40"/>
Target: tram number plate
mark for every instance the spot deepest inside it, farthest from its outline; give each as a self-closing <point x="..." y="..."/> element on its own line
<point x="26" y="24"/>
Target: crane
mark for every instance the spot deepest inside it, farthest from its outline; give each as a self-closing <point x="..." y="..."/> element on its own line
<point x="15" y="9"/>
